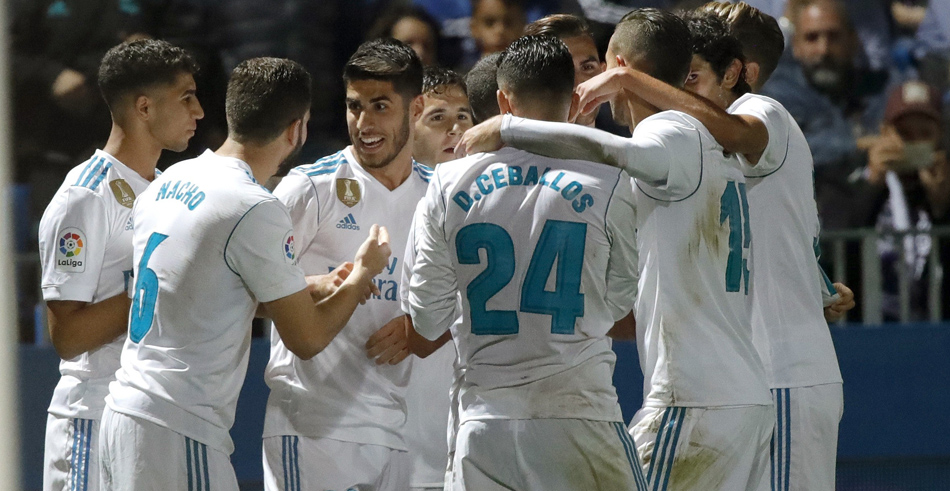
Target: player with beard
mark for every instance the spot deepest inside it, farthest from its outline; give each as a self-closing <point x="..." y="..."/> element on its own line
<point x="211" y="247"/>
<point x="336" y="421"/>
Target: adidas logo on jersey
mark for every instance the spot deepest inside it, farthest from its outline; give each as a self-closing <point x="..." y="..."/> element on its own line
<point x="348" y="223"/>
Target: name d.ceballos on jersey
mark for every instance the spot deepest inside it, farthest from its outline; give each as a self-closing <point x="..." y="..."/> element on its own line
<point x="514" y="175"/>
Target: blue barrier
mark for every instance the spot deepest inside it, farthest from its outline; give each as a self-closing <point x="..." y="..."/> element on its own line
<point x="895" y="392"/>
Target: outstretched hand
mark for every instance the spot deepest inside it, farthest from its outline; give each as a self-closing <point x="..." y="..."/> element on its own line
<point x="389" y="344"/>
<point x="374" y="253"/>
<point x="596" y="91"/>
<point x="484" y="137"/>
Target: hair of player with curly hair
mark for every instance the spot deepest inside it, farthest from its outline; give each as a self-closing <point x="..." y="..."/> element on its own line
<point x="132" y="66"/>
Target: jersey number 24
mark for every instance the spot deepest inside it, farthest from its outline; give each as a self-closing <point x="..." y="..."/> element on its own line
<point x="560" y="240"/>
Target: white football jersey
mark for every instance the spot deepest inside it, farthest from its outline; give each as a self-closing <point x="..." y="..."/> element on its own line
<point x="693" y="329"/>
<point x="543" y="253"/>
<point x="341" y="393"/>
<point x="428" y="396"/>
<point x="210" y="243"/>
<point x="788" y="324"/>
<point x="85" y="240"/>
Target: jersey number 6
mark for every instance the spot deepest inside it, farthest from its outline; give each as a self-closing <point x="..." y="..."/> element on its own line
<point x="560" y="240"/>
<point x="146" y="292"/>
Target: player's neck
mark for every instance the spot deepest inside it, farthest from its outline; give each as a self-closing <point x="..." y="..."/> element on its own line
<point x="139" y="153"/>
<point x="639" y="110"/>
<point x="263" y="161"/>
<point x="393" y="175"/>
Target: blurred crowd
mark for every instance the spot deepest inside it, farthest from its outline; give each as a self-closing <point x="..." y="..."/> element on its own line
<point x="867" y="81"/>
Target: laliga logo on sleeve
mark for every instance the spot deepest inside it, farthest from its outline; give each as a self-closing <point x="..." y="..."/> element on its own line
<point x="289" y="252"/>
<point x="71" y="254"/>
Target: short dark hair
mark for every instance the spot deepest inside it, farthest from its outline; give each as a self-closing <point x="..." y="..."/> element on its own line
<point x="759" y="34"/>
<point x="660" y="39"/>
<point x="537" y="67"/>
<point x="712" y="42"/>
<point x="383" y="28"/>
<point x="387" y="60"/>
<point x="482" y="82"/>
<point x="134" y="65"/>
<point x="264" y="96"/>
<point x="436" y="79"/>
<point x="560" y="26"/>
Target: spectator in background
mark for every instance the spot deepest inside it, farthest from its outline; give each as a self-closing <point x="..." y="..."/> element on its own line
<point x="496" y="23"/>
<point x="906" y="186"/>
<point x="411" y="25"/>
<point x="58" y="113"/>
<point x="483" y="88"/>
<point x="933" y="44"/>
<point x="834" y="101"/>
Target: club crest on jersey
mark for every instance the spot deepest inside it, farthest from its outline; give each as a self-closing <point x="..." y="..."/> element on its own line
<point x="348" y="190"/>
<point x="71" y="251"/>
<point x="290" y="253"/>
<point x="123" y="192"/>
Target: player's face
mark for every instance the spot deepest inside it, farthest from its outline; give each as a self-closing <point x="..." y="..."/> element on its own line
<point x="377" y="119"/>
<point x="418" y="36"/>
<point x="587" y="62"/>
<point x="176" y="112"/>
<point x="703" y="81"/>
<point x="445" y="117"/>
<point x="290" y="161"/>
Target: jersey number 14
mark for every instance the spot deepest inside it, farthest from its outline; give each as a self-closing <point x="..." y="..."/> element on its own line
<point x="560" y="240"/>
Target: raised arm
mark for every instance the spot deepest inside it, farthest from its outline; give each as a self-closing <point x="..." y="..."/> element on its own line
<point x="737" y="133"/>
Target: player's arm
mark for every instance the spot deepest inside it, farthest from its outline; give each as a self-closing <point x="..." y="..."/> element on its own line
<point x="433" y="285"/>
<point x="623" y="260"/>
<point x="76" y="324"/>
<point x="307" y="328"/>
<point x="77" y="327"/>
<point x="744" y="134"/>
<point x="421" y="346"/>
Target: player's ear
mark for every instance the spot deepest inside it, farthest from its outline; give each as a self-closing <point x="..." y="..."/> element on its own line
<point x="416" y="108"/>
<point x="143" y="106"/>
<point x="504" y="103"/>
<point x="752" y="70"/>
<point x="621" y="61"/>
<point x="731" y="77"/>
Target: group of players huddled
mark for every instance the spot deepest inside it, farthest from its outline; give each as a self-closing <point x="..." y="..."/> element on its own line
<point x="444" y="322"/>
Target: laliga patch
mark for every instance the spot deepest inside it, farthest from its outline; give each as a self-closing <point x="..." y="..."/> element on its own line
<point x="123" y="192"/>
<point x="71" y="251"/>
<point x="348" y="191"/>
<point x="290" y="253"/>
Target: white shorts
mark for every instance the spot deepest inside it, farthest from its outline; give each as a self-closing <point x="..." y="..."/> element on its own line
<point x="805" y="441"/>
<point x="686" y="448"/>
<point x="299" y="463"/>
<point x="71" y="456"/>
<point x="545" y="455"/>
<point x="141" y="455"/>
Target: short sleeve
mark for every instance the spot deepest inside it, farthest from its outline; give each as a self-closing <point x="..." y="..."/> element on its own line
<point x="261" y="250"/>
<point x="673" y="142"/>
<point x="73" y="236"/>
<point x="297" y="193"/>
<point x="623" y="262"/>
<point x="776" y="120"/>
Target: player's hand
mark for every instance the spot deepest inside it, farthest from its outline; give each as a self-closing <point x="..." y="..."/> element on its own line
<point x="596" y="91"/>
<point x="321" y="286"/>
<point x="485" y="137"/>
<point x="389" y="344"/>
<point x="885" y="151"/>
<point x="835" y="312"/>
<point x="373" y="255"/>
